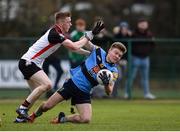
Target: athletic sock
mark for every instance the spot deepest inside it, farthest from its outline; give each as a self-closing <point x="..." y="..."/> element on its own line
<point x="39" y="112"/>
<point x="25" y="105"/>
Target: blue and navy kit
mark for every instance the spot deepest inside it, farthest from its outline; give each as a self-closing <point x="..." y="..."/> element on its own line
<point x="81" y="80"/>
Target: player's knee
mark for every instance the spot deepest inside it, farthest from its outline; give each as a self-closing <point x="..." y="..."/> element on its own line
<point x="47" y="86"/>
<point x="85" y="119"/>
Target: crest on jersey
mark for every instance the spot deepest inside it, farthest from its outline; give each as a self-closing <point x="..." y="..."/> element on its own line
<point x="96" y="69"/>
<point x="61" y="35"/>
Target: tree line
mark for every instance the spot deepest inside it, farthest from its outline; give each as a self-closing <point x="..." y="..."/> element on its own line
<point x="28" y="18"/>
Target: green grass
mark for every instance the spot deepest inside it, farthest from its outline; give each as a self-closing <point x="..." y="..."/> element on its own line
<point x="137" y="93"/>
<point x="114" y="115"/>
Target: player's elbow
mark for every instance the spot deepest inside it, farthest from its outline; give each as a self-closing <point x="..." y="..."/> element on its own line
<point x="109" y="90"/>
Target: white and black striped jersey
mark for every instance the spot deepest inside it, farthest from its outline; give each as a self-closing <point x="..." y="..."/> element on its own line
<point x="45" y="46"/>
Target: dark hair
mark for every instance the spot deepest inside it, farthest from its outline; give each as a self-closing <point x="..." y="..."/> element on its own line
<point x="119" y="46"/>
<point x="61" y="15"/>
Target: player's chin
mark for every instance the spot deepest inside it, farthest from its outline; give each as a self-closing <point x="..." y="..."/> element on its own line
<point x="67" y="30"/>
<point x="114" y="61"/>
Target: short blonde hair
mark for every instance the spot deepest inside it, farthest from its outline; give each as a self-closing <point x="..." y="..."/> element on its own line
<point x="119" y="46"/>
<point x="61" y="15"/>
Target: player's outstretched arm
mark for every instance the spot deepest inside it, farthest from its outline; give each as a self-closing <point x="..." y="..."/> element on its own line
<point x="90" y="46"/>
<point x="88" y="36"/>
<point x="82" y="52"/>
<point x="106" y="82"/>
<point x="109" y="88"/>
<point x="74" y="45"/>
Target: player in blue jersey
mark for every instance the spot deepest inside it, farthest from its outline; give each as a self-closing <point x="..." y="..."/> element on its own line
<point x="31" y="62"/>
<point x="83" y="79"/>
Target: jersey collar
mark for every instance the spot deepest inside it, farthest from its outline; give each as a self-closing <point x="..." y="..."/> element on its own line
<point x="57" y="28"/>
<point x="111" y="64"/>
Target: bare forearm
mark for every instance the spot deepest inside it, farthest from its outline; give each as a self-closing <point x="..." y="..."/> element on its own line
<point x="75" y="45"/>
<point x="81" y="43"/>
<point x="109" y="88"/>
<point x="82" y="52"/>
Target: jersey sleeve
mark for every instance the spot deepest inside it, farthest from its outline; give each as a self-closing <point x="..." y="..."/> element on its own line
<point x="55" y="37"/>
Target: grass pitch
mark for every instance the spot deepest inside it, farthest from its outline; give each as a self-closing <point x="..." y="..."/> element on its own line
<point x="114" y="115"/>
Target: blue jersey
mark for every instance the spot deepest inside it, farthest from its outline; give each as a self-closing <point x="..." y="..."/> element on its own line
<point x="80" y="79"/>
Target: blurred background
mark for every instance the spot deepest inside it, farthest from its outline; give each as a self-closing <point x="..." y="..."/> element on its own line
<point x="23" y="21"/>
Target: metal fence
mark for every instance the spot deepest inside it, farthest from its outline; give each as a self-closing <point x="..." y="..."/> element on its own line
<point x="164" y="68"/>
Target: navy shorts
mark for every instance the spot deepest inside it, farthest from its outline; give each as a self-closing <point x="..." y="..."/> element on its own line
<point x="70" y="90"/>
<point x="28" y="68"/>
